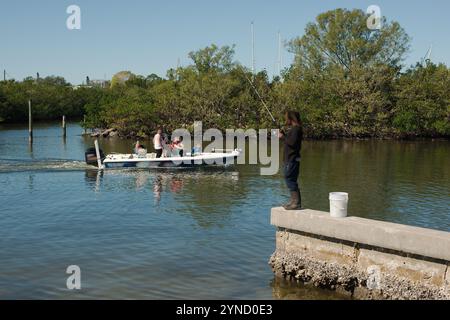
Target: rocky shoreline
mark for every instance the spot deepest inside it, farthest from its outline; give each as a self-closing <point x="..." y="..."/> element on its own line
<point x="105" y="133"/>
<point x="349" y="280"/>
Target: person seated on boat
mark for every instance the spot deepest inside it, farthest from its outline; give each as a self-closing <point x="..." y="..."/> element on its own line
<point x="196" y="150"/>
<point x="177" y="147"/>
<point x="158" y="143"/>
<point x="137" y="146"/>
<point x="140" y="150"/>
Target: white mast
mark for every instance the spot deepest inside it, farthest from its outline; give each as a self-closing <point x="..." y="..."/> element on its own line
<point x="280" y="58"/>
<point x="253" y="48"/>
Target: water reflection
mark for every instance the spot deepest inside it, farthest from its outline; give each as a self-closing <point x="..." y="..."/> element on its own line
<point x="157" y="189"/>
<point x="31" y="182"/>
<point x="283" y="289"/>
<point x="93" y="178"/>
<point x="206" y="194"/>
<point x="30" y="149"/>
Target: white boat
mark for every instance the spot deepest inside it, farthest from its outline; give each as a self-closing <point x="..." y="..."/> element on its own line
<point x="95" y="156"/>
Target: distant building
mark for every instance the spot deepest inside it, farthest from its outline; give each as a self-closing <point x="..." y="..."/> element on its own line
<point x="98" y="83"/>
<point x="94" y="83"/>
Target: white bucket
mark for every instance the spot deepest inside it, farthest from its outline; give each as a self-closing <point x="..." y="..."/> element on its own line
<point x="338" y="204"/>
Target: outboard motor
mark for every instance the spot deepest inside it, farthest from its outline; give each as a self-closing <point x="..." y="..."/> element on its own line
<point x="91" y="156"/>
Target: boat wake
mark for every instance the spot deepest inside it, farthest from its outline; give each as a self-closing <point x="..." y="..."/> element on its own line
<point x="23" y="165"/>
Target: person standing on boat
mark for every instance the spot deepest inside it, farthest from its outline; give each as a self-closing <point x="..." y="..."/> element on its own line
<point x="292" y="147"/>
<point x="158" y="143"/>
<point x="166" y="146"/>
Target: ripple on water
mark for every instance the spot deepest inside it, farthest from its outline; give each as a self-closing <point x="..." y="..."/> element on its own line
<point x="198" y="234"/>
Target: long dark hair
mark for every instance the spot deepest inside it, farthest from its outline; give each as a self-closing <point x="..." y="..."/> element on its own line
<point x="294" y="116"/>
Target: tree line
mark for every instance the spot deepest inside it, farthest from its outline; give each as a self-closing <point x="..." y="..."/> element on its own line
<point x="346" y="81"/>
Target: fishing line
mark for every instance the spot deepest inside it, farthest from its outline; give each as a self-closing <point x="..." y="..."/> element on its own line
<point x="257" y="93"/>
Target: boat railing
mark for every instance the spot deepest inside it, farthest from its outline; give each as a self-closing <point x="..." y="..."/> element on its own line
<point x="222" y="150"/>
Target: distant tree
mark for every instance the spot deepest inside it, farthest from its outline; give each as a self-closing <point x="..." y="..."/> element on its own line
<point x="54" y="80"/>
<point x="136" y="80"/>
<point x="344" y="74"/>
<point x="341" y="37"/>
<point x="153" y="80"/>
<point x="213" y="58"/>
<point x="121" y="78"/>
<point x="422" y="105"/>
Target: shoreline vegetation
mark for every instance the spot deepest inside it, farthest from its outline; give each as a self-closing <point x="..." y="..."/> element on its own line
<point x="346" y="81"/>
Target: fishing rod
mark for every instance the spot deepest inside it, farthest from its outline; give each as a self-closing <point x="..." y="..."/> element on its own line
<point x="260" y="98"/>
<point x="281" y="129"/>
<point x="257" y="93"/>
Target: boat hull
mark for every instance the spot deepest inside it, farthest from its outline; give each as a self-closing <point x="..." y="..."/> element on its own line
<point x="156" y="164"/>
<point x="122" y="161"/>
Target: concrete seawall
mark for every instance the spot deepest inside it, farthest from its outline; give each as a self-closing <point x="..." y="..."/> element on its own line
<point x="366" y="259"/>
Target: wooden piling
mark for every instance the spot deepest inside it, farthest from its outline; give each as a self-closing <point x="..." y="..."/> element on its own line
<point x="84" y="125"/>
<point x="30" y="123"/>
<point x="64" y="126"/>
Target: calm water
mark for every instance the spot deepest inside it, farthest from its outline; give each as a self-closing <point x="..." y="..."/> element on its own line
<point x="201" y="233"/>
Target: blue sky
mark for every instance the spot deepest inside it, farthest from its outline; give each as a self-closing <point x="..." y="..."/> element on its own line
<point x="150" y="36"/>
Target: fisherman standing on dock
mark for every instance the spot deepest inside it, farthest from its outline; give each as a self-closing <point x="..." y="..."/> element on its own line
<point x="292" y="147"/>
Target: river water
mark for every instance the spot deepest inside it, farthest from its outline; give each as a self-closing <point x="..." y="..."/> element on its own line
<point x="201" y="233"/>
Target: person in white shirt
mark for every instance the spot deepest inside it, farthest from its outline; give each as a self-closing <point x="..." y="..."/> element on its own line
<point x="158" y="143"/>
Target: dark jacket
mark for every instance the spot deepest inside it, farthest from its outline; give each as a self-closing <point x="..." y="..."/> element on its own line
<point x="293" y="144"/>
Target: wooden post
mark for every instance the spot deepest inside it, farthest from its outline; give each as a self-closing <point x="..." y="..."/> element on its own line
<point x="30" y="123"/>
<point x="64" y="126"/>
<point x="84" y="125"/>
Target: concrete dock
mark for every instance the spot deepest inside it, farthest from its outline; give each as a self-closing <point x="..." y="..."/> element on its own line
<point x="366" y="259"/>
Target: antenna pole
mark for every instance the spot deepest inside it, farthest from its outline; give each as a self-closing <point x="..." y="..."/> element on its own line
<point x="253" y="48"/>
<point x="279" y="53"/>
